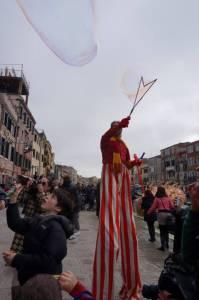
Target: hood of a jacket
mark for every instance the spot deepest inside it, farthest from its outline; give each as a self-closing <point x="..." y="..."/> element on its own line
<point x="44" y="220"/>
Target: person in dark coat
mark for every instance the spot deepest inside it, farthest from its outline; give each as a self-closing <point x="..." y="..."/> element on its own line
<point x="74" y="215"/>
<point x="44" y="236"/>
<point x="3" y="199"/>
<point x="147" y="202"/>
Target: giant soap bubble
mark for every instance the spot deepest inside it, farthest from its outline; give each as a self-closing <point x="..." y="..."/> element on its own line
<point x="67" y="27"/>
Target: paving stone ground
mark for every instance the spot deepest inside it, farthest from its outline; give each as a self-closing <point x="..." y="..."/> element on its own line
<point x="81" y="251"/>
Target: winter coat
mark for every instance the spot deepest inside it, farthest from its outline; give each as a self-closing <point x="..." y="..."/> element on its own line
<point x="147" y="202"/>
<point x="69" y="187"/>
<point x="44" y="243"/>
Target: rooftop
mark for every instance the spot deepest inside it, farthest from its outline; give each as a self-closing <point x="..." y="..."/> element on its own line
<point x="12" y="79"/>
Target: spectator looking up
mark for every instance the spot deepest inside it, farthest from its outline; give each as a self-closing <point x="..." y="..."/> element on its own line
<point x="44" y="236"/>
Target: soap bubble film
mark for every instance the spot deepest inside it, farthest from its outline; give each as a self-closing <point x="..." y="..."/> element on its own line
<point x="67" y="27"/>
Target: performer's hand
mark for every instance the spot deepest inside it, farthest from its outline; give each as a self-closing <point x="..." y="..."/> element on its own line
<point x="139" y="162"/>
<point x="125" y="122"/>
<point x="67" y="281"/>
<point x="9" y="256"/>
<point x="135" y="162"/>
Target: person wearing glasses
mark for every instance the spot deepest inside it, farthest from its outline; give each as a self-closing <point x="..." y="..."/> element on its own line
<point x="45" y="236"/>
<point x="30" y="198"/>
<point x="45" y="185"/>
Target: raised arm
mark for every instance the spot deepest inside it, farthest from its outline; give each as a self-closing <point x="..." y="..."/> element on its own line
<point x="113" y="130"/>
<point x="15" y="222"/>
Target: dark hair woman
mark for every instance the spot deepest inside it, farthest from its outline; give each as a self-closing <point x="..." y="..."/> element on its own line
<point x="44" y="236"/>
<point x="163" y="205"/>
<point x="147" y="202"/>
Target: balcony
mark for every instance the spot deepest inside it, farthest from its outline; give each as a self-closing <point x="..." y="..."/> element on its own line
<point x="12" y="80"/>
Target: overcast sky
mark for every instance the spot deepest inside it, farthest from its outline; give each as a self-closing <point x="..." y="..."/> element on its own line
<point x="75" y="105"/>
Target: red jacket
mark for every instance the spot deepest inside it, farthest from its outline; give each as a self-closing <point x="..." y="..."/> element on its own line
<point x="108" y="147"/>
<point x="161" y="204"/>
<point x="79" y="292"/>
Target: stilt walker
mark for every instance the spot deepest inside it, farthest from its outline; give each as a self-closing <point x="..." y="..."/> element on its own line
<point x="117" y="232"/>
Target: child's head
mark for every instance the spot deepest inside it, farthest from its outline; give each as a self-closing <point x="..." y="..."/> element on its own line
<point x="41" y="287"/>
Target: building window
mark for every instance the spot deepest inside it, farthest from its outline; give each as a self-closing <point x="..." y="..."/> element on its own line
<point x="12" y="154"/>
<point x="20" y="112"/>
<point x="20" y="160"/>
<point x="36" y="155"/>
<point x="197" y="147"/>
<point x="24" y="118"/>
<point x="2" y="146"/>
<point x="167" y="152"/>
<point x="191" y="161"/>
<point x="33" y="152"/>
<point x="35" y="138"/>
<point x="15" y="131"/>
<point x="16" y="158"/>
<point x="7" y="147"/>
<point x="9" y="124"/>
<point x="5" y="118"/>
<point x="190" y="149"/>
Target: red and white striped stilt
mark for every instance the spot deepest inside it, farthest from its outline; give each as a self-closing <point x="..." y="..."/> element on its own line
<point x="116" y="235"/>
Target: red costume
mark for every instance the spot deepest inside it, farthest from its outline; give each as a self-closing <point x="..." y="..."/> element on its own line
<point x="81" y="293"/>
<point x="117" y="233"/>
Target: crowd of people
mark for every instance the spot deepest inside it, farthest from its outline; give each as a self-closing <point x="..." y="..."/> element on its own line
<point x="51" y="212"/>
<point x="179" y="278"/>
<point x="44" y="213"/>
<point x="162" y="204"/>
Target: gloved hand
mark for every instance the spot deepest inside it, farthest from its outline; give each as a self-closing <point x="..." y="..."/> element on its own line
<point x="125" y="122"/>
<point x="138" y="162"/>
<point x="135" y="162"/>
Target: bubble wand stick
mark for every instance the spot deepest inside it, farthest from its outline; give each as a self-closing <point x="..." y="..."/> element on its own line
<point x="141" y="83"/>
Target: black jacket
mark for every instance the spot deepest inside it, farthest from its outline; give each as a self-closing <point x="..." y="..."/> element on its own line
<point x="190" y="239"/>
<point x="44" y="243"/>
<point x="146" y="204"/>
<point x="69" y="187"/>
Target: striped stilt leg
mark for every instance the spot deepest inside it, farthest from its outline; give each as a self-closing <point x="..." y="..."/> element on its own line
<point x="108" y="240"/>
<point x="131" y="288"/>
